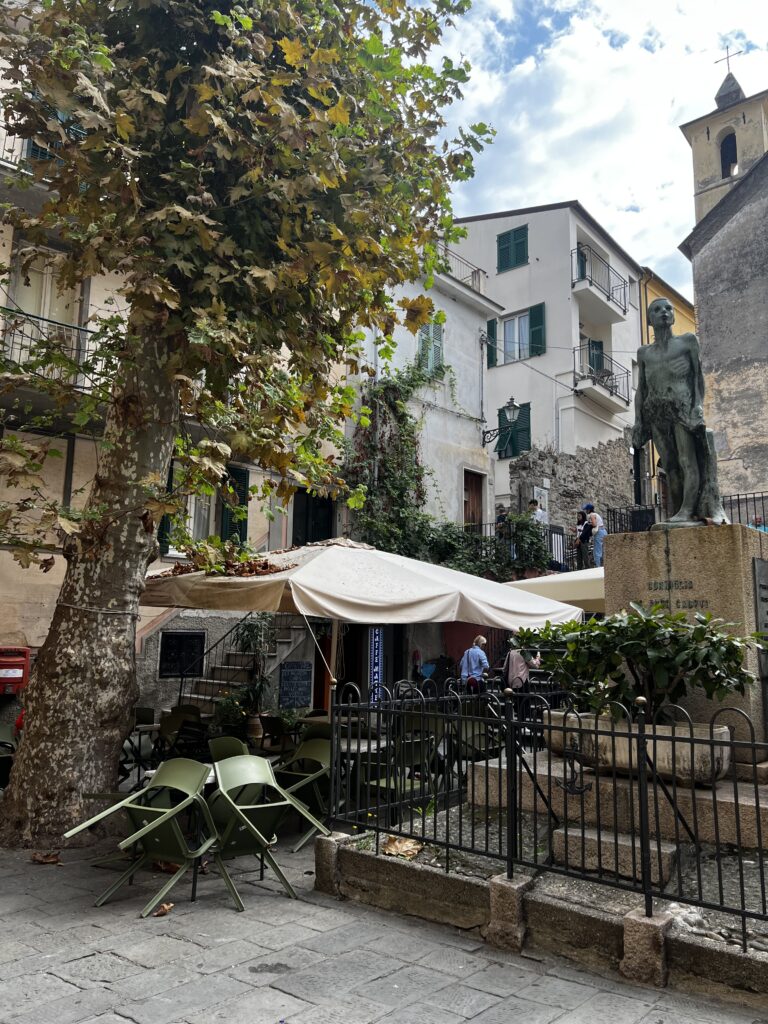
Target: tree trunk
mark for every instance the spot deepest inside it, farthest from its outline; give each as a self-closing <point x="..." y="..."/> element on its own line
<point x="80" y="698"/>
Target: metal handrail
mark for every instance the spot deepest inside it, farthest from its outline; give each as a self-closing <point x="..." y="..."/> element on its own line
<point x="21" y="331"/>
<point x="595" y="365"/>
<point x="588" y="265"/>
<point x="462" y="269"/>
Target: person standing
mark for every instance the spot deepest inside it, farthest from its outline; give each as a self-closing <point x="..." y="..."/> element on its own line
<point x="474" y="663"/>
<point x="536" y="512"/>
<point x="583" y="537"/>
<point x="599" y="532"/>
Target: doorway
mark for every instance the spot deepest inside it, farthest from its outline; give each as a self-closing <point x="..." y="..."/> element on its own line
<point x="473" y="498"/>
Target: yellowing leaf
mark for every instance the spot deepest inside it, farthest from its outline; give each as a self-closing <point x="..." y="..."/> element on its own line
<point x="293" y="50"/>
<point x="67" y="525"/>
<point x="124" y="125"/>
<point x="338" y="114"/>
<point x="323" y="56"/>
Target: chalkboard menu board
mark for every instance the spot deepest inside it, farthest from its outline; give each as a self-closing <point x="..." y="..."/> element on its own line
<point x="295" y="684"/>
<point x="179" y="652"/>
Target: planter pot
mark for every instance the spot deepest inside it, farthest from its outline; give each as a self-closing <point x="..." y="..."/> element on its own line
<point x="254" y="729"/>
<point x="604" y="743"/>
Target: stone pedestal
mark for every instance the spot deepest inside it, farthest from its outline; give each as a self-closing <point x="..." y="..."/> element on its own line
<point x="690" y="569"/>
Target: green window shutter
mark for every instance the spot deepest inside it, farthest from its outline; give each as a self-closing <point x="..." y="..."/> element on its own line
<point x="523" y="429"/>
<point x="596" y="362"/>
<point x="164" y="529"/>
<point x="437" y="347"/>
<point x="423" y="346"/>
<point x="504" y="251"/>
<point x="505" y="442"/>
<point x="490" y="346"/>
<point x="520" y="246"/>
<point x="238" y="479"/>
<point x="538" y="342"/>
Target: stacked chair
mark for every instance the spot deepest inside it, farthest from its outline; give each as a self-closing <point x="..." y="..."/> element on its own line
<point x="171" y="820"/>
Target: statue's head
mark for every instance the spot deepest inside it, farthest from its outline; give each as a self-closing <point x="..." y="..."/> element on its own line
<point x="661" y="313"/>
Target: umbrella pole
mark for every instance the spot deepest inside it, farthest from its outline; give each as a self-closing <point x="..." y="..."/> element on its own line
<point x="334" y="649"/>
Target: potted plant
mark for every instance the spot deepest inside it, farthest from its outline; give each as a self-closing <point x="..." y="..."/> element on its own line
<point x="251" y="698"/>
<point x="231" y="716"/>
<point x="649" y="653"/>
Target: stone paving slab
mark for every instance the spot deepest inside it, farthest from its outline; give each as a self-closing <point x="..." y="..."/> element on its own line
<point x="309" y="961"/>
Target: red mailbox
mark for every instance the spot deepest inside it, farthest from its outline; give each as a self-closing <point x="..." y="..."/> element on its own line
<point x="14" y="669"/>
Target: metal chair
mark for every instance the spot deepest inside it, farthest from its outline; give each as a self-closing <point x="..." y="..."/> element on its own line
<point x="306" y="774"/>
<point x="155" y="814"/>
<point x="248" y="808"/>
<point x="222" y="747"/>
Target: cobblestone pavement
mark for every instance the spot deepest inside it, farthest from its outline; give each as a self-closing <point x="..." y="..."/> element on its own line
<point x="307" y="961"/>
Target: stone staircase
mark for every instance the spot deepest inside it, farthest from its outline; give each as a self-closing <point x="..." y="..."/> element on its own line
<point x="229" y="670"/>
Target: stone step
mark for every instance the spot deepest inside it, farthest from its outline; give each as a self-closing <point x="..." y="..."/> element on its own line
<point x="727" y="812"/>
<point x="754" y="773"/>
<point x="230" y="674"/>
<point x="611" y="854"/>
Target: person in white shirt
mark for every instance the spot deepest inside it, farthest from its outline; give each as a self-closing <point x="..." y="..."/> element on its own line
<point x="599" y="532"/>
<point x="537" y="513"/>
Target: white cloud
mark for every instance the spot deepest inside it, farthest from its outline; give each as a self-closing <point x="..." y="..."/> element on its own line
<point x="587" y="96"/>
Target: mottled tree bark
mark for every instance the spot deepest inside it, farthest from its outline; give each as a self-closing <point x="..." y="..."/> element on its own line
<point x="80" y="698"/>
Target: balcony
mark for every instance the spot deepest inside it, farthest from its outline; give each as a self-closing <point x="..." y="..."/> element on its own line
<point x="462" y="270"/>
<point x="11" y="149"/>
<point x="603" y="293"/>
<point x="600" y="378"/>
<point x="21" y="334"/>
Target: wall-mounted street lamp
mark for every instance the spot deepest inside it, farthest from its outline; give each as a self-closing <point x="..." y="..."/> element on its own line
<point x="511" y="412"/>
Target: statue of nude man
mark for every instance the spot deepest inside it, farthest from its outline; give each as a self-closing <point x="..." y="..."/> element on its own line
<point x="669" y="410"/>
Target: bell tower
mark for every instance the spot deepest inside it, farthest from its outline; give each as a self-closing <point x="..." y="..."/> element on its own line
<point x="726" y="142"/>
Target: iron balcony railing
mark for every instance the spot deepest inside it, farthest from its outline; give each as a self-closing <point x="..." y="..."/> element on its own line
<point x="464" y="271"/>
<point x="587" y="265"/>
<point x="749" y="509"/>
<point x="497" y="541"/>
<point x="591" y="363"/>
<point x="21" y="333"/>
<point x="12" y="148"/>
<point x="630" y="519"/>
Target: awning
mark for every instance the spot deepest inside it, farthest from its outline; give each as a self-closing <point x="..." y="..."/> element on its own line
<point x="584" y="588"/>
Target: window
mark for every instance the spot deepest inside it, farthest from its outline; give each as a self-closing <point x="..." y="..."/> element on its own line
<point x="512" y="249"/>
<point x="729" y="164"/>
<point x="596" y="361"/>
<point x="491" y="353"/>
<point x="514" y="438"/>
<point x="523" y="335"/>
<point x="198" y="509"/>
<point x="431" y="347"/>
<point x="180" y="652"/>
<point x="232" y="526"/>
<point x="38" y="293"/>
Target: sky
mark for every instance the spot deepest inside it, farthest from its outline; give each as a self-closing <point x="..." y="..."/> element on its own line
<point x="587" y="96"/>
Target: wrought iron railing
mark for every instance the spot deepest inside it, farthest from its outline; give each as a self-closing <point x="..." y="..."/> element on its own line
<point x="12" y="148"/>
<point x="630" y="519"/>
<point x="497" y="540"/>
<point x="464" y="271"/>
<point x="591" y="363"/>
<point x="616" y="799"/>
<point x="588" y="265"/>
<point x="22" y="333"/>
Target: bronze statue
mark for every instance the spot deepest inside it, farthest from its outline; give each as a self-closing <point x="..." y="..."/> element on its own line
<point x="669" y="410"/>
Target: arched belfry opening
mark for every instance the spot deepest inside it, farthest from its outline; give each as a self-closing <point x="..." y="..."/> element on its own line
<point x="729" y="162"/>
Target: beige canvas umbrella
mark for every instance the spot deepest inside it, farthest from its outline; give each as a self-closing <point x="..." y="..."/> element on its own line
<point x="584" y="588"/>
<point x="348" y="582"/>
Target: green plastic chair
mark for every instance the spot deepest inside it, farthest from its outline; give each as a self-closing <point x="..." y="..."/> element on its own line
<point x="248" y="808"/>
<point x="223" y="747"/>
<point x="306" y="774"/>
<point x="160" y="833"/>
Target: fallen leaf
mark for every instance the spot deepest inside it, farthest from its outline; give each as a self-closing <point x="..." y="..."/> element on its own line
<point x="402" y="847"/>
<point x="167" y="867"/>
<point x="52" y="857"/>
<point x="163" y="909"/>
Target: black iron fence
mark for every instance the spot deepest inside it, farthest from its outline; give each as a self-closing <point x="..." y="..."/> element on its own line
<point x="588" y="265"/>
<point x="663" y="808"/>
<point x="499" y="541"/>
<point x="748" y="509"/>
<point x="630" y="519"/>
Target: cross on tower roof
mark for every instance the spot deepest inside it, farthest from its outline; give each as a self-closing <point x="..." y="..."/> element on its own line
<point x="727" y="57"/>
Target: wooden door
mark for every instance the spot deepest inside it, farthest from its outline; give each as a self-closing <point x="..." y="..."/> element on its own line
<point x="473" y="498"/>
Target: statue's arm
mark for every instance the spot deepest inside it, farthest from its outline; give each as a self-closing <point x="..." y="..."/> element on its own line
<point x="641" y="433"/>
<point x="697" y="410"/>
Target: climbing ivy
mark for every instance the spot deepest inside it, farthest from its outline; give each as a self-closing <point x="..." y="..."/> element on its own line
<point x="384" y="460"/>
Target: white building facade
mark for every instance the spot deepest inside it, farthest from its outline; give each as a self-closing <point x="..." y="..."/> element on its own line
<point x="565" y="342"/>
<point x="453" y="408"/>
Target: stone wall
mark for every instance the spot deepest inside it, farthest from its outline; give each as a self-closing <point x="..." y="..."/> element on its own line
<point x="601" y="475"/>
<point x="729" y="249"/>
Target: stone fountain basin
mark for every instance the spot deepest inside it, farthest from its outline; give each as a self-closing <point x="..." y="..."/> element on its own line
<point x="604" y="743"/>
